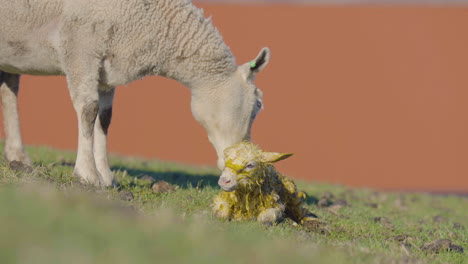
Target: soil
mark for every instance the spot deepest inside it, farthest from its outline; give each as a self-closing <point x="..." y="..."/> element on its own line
<point x="147" y="179"/>
<point x="20" y="167"/>
<point x="385" y="222"/>
<point x="162" y="187"/>
<point x="441" y="245"/>
<point x="126" y="195"/>
<point x="316" y="226"/>
<point x="439" y="219"/>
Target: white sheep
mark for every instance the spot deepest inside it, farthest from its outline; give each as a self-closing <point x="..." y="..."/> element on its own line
<point x="99" y="45"/>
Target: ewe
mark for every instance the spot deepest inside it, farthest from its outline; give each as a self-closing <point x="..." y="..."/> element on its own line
<point x="254" y="189"/>
<point x="99" y="45"/>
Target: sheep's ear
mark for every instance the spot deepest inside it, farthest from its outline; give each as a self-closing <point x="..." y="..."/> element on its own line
<point x="274" y="156"/>
<point x="250" y="69"/>
<point x="261" y="61"/>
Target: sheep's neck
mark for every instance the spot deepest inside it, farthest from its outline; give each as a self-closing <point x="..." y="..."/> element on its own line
<point x="197" y="52"/>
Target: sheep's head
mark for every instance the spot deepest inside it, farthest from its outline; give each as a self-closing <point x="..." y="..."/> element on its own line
<point x="245" y="164"/>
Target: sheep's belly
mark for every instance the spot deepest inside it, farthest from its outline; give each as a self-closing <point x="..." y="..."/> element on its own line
<point x="27" y="57"/>
<point x="22" y="69"/>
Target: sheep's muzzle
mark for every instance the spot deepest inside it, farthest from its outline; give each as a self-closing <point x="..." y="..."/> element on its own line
<point x="228" y="180"/>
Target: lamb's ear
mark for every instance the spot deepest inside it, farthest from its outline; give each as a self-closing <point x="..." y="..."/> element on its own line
<point x="274" y="156"/>
<point x="257" y="65"/>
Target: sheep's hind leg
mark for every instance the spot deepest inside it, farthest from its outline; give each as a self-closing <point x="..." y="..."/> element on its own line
<point x="9" y="87"/>
<point x="106" y="96"/>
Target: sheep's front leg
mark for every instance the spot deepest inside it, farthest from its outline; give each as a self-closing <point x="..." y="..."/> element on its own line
<point x="85" y="100"/>
<point x="9" y="87"/>
<point x="271" y="215"/>
<point x="106" y="96"/>
<point x="221" y="207"/>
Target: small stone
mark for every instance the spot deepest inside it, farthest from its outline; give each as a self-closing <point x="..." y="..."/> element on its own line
<point x="67" y="163"/>
<point x="334" y="209"/>
<point x="439" y="219"/>
<point x="384" y="221"/>
<point x="458" y="226"/>
<point x="452" y="235"/>
<point x="147" y="179"/>
<point x="315" y="225"/>
<point x="372" y="205"/>
<point x="328" y="196"/>
<point x="341" y="202"/>
<point x="126" y="196"/>
<point x="18" y="166"/>
<point x="162" y="187"/>
<point x="456" y="248"/>
<point x="400" y="238"/>
<point x="437" y="245"/>
<point x="323" y="202"/>
<point x="441" y="245"/>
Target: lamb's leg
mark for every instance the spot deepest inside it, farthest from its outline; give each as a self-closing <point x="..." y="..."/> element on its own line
<point x="100" y="135"/>
<point x="85" y="98"/>
<point x="271" y="215"/>
<point x="9" y="87"/>
<point x="221" y="207"/>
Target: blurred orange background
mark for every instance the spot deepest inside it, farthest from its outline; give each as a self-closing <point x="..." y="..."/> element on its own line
<point x="363" y="95"/>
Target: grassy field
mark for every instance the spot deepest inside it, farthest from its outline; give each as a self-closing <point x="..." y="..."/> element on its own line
<point x="47" y="216"/>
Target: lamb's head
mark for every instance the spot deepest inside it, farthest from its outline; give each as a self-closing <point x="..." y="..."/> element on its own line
<point x="246" y="164"/>
<point x="228" y="111"/>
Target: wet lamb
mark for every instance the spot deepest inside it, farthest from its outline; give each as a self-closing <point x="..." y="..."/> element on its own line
<point x="254" y="189"/>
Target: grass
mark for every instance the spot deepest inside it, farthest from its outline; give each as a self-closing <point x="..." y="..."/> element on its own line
<point x="48" y="217"/>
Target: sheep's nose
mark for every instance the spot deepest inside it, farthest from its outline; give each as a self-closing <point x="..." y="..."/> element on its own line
<point x="227" y="180"/>
<point x="223" y="180"/>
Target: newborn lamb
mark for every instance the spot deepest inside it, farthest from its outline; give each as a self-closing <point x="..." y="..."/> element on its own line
<point x="254" y="189"/>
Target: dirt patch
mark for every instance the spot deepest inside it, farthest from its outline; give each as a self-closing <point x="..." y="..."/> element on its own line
<point x="163" y="187"/>
<point x="18" y="166"/>
<point x="126" y="196"/>
<point x="458" y="226"/>
<point x="440" y="245"/>
<point x="439" y="219"/>
<point x="372" y="205"/>
<point x="316" y="226"/>
<point x="385" y="222"/>
<point x="147" y="179"/>
<point x="326" y="200"/>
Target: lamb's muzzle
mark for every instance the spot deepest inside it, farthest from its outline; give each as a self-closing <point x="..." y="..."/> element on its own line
<point x="227" y="181"/>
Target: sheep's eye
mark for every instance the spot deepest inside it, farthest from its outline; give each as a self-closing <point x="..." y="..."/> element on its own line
<point x="259" y="105"/>
<point x="249" y="166"/>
